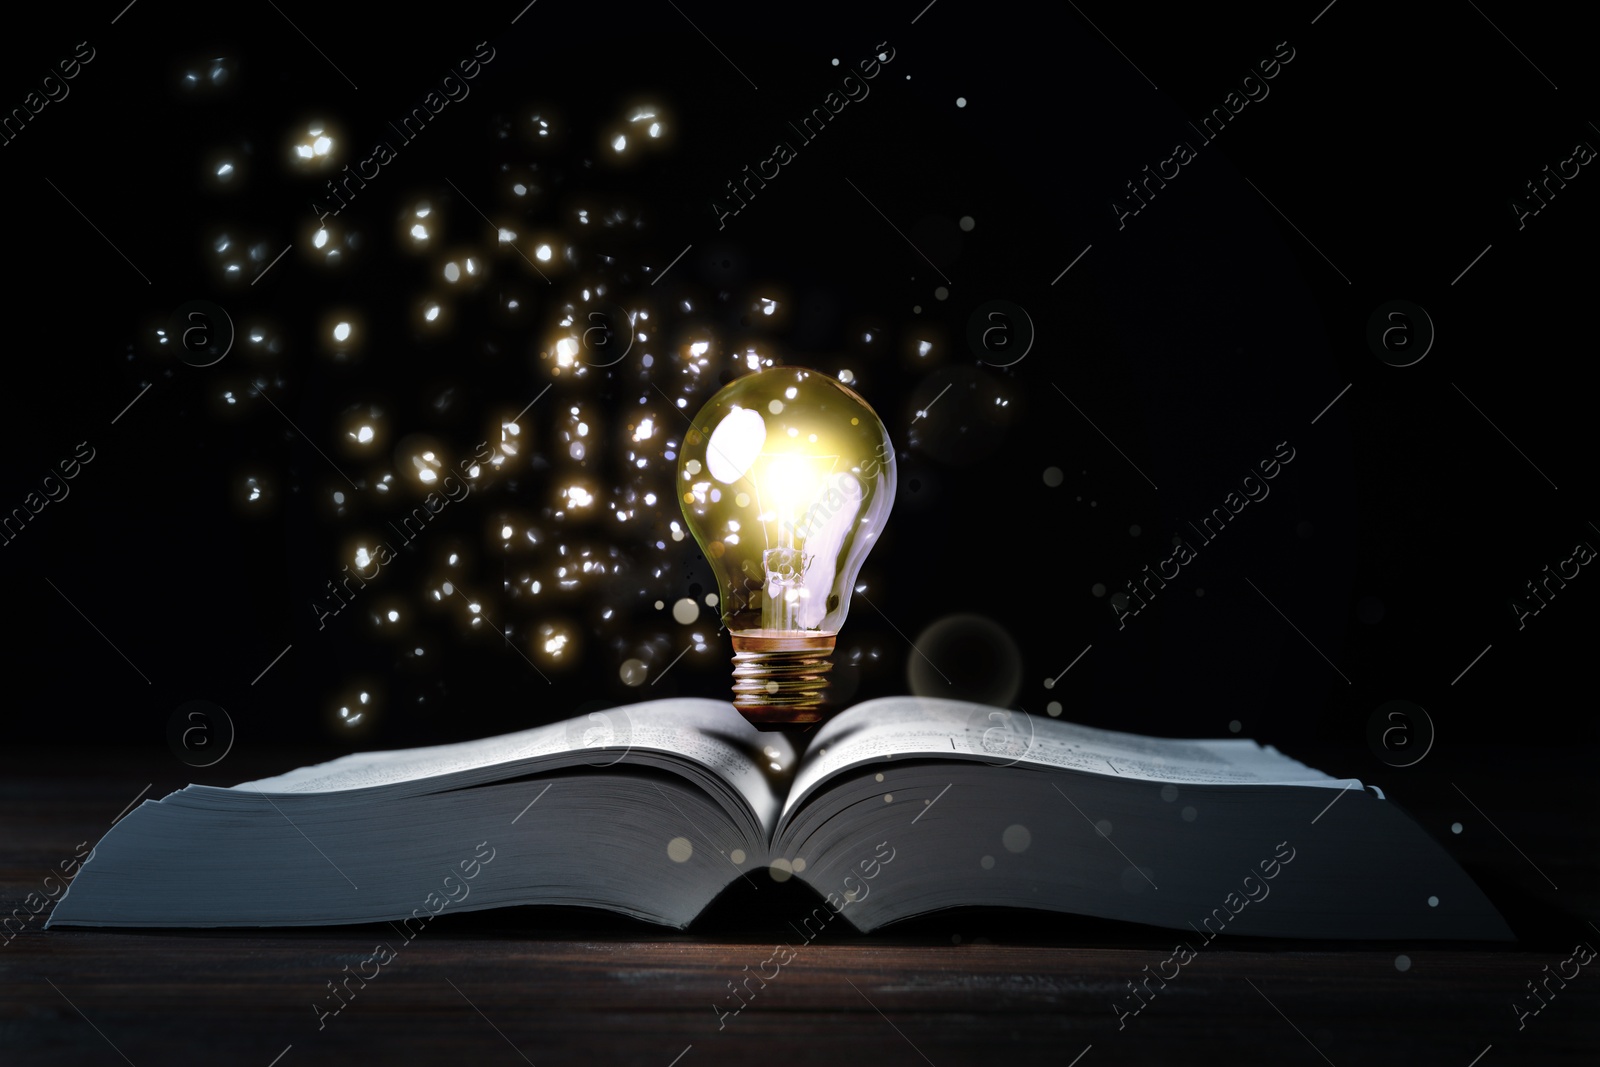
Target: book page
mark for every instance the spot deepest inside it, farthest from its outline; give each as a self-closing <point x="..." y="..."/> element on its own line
<point x="925" y="727"/>
<point x="706" y="733"/>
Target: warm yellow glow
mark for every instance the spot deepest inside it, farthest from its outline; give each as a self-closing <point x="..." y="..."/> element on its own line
<point x="785" y="481"/>
<point x="789" y="483"/>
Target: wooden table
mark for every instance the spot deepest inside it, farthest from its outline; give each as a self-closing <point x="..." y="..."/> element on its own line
<point x="548" y="986"/>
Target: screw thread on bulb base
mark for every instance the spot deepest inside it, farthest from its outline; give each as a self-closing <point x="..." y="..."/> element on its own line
<point x="780" y="676"/>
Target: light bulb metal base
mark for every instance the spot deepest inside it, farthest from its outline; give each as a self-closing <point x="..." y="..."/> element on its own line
<point x="780" y="676"/>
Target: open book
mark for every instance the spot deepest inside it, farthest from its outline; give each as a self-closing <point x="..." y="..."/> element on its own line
<point x="897" y="807"/>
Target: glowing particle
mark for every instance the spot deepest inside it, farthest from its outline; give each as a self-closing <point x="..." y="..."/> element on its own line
<point x="633" y="672"/>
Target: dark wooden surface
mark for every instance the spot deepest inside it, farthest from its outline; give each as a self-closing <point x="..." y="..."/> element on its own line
<point x="570" y="986"/>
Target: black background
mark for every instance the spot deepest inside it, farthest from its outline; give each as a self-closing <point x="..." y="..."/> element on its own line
<point x="1196" y="338"/>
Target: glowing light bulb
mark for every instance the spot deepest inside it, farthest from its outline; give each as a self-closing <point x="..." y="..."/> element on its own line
<point x="785" y="479"/>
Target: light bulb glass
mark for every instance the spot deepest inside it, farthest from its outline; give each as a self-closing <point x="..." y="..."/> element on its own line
<point x="786" y="478"/>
